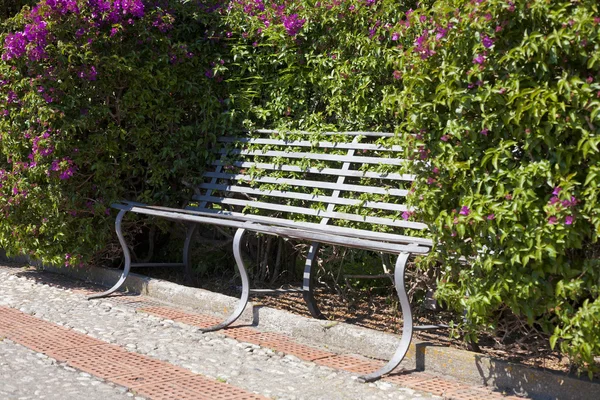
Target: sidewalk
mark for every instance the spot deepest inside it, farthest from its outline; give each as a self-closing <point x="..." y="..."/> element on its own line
<point x="127" y="346"/>
<point x="120" y="341"/>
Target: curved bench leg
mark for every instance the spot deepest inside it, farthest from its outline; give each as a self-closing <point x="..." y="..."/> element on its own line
<point x="239" y="309"/>
<point x="407" y="329"/>
<point x="127" y="256"/>
<point x="187" y="258"/>
<point x="308" y="283"/>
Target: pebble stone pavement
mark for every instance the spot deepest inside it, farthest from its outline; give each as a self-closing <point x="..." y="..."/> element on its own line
<point x="25" y="374"/>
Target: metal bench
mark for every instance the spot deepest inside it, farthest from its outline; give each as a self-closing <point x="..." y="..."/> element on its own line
<point x="333" y="182"/>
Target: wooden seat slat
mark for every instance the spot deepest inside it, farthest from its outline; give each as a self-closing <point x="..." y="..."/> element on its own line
<point x="315" y="156"/>
<point x="300" y="196"/>
<point x="308" y="183"/>
<point x="320" y="171"/>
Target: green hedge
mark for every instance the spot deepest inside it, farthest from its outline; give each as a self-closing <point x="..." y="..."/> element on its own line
<point x="502" y="100"/>
<point x="100" y="103"/>
<point x="498" y="105"/>
<point x="496" y="101"/>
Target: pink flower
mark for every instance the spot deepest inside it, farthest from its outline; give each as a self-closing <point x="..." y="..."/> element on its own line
<point x="464" y="210"/>
<point x="445" y="138"/>
<point x="552" y="220"/>
<point x="569" y="220"/>
<point x="484" y="132"/>
<point x="491" y="217"/>
<point x="556" y="191"/>
<point x="479" y="59"/>
<point x="487" y="41"/>
<point x="397" y="75"/>
<point x="395" y="36"/>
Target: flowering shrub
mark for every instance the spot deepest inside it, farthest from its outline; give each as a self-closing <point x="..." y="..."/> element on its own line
<point x="500" y="102"/>
<point x="497" y="102"/>
<point x="501" y="99"/>
<point x="324" y="64"/>
<point x="98" y="101"/>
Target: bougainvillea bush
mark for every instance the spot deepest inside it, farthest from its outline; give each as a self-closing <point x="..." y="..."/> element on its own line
<point x="99" y="100"/>
<point x="498" y="103"/>
<point x="315" y="64"/>
<point x="501" y="100"/>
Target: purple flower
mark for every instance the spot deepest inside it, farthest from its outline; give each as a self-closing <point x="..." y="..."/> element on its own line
<point x="441" y="32"/>
<point x="397" y="75"/>
<point x="569" y="220"/>
<point x="479" y="59"/>
<point x="464" y="210"/>
<point x="445" y="138"/>
<point x="487" y="41"/>
<point x="395" y="36"/>
<point x="406" y="215"/>
<point x="491" y="217"/>
<point x="552" y="220"/>
<point x="14" y="46"/>
<point x="292" y="24"/>
<point x="484" y="132"/>
<point x="556" y="191"/>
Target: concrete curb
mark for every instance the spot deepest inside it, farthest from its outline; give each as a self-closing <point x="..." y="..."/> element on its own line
<point x="463" y="365"/>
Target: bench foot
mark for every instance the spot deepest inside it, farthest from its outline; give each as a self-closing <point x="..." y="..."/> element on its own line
<point x="308" y="284"/>
<point x="407" y="329"/>
<point x="239" y="309"/>
<point x="127" y="256"/>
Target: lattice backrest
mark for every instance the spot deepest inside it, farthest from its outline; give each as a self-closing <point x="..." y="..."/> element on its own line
<point x="343" y="178"/>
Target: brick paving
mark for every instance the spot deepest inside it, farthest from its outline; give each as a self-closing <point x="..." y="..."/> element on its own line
<point x="173" y="373"/>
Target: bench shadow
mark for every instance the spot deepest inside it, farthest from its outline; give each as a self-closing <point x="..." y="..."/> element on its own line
<point x="60" y="281"/>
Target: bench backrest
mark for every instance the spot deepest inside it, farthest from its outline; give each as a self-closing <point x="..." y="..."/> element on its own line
<point x="348" y="179"/>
